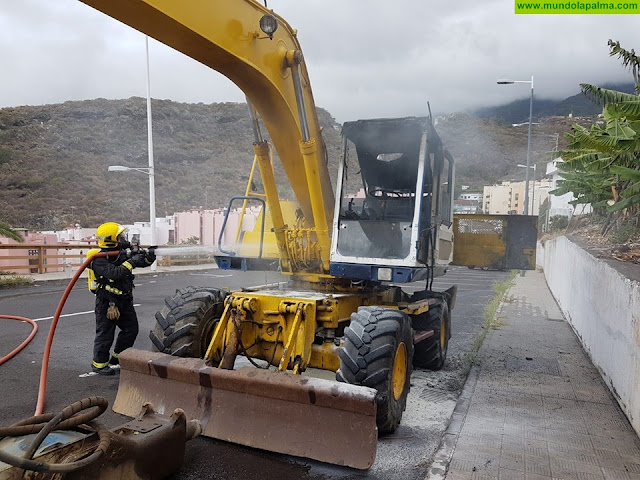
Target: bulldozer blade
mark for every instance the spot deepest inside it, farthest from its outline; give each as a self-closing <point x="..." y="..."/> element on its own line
<point x="296" y="415"/>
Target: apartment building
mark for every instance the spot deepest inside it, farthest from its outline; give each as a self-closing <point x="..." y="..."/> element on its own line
<point x="507" y="198"/>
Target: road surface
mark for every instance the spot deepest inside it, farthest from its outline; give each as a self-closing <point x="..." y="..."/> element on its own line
<point x="405" y="454"/>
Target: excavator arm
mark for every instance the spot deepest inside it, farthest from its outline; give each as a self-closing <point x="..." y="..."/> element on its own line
<point x="226" y="36"/>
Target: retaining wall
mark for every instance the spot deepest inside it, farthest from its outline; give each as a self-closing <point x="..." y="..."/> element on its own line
<point x="603" y="307"/>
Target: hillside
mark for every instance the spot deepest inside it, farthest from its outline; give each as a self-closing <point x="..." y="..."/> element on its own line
<point x="54" y="158"/>
<point x="518" y="110"/>
<point x="487" y="152"/>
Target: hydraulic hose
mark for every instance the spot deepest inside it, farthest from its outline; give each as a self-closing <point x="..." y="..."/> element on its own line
<point x="17" y="350"/>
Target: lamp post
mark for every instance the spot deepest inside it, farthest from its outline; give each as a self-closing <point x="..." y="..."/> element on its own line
<point x="152" y="197"/>
<point x="526" y="187"/>
<point x="150" y="170"/>
<point x="152" y="189"/>
<point x="533" y="191"/>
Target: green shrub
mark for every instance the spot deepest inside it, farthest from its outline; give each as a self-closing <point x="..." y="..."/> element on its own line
<point x="5" y="155"/>
<point x="558" y="222"/>
<point x="7" y="281"/>
<point x="624" y="233"/>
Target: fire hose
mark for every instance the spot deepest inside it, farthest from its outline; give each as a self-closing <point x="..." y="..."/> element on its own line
<point x="70" y="417"/>
<point x="52" y="330"/>
<point x="66" y="419"/>
<point x="17" y="350"/>
<point x="174" y="433"/>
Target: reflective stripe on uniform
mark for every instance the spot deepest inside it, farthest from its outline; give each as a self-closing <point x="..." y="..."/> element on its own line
<point x="99" y="365"/>
<point x="127" y="265"/>
<point x="115" y="355"/>
<point x="111" y="289"/>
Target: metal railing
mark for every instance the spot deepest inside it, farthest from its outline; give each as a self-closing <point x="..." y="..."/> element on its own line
<point x="41" y="257"/>
<point x="47" y="258"/>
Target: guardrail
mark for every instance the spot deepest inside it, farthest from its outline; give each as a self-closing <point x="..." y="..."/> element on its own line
<point x="47" y="258"/>
<point x="41" y="257"/>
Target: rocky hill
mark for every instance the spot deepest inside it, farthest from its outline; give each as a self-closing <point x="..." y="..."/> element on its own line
<point x="54" y="158"/>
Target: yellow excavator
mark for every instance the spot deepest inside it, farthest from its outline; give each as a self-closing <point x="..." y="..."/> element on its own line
<point x="345" y="255"/>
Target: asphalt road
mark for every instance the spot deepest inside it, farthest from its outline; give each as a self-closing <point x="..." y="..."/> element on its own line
<point x="405" y="454"/>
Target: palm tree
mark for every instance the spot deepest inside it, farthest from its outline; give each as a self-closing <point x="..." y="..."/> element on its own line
<point x="602" y="164"/>
<point x="7" y="231"/>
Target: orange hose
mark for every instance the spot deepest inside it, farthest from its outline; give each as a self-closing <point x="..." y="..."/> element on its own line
<point x="52" y="329"/>
<point x="23" y="344"/>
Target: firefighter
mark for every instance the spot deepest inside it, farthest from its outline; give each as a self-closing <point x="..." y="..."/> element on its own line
<point x="111" y="279"/>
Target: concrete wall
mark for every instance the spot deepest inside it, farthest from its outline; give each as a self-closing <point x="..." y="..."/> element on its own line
<point x="603" y="307"/>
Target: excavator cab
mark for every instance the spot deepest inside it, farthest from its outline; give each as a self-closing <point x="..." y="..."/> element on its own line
<point x="393" y="214"/>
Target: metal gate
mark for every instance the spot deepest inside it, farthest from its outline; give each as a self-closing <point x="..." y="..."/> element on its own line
<point x="500" y="242"/>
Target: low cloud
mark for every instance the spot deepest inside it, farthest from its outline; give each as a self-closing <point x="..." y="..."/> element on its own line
<point x="365" y="59"/>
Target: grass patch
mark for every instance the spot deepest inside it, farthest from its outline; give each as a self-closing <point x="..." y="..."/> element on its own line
<point x="490" y="310"/>
<point x="8" y="281"/>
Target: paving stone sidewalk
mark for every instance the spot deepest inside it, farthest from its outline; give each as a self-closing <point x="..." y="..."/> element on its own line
<point x="539" y="408"/>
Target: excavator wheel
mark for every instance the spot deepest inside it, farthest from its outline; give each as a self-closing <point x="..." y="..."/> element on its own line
<point x="185" y="324"/>
<point x="431" y="353"/>
<point x="377" y="352"/>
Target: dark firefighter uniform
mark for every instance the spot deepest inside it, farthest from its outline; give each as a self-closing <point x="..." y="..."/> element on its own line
<point x="112" y="282"/>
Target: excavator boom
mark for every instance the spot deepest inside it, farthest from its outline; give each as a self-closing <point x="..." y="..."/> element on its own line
<point x="226" y="36"/>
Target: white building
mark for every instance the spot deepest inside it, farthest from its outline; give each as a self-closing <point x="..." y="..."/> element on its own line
<point x="508" y="197"/>
<point x="560" y="204"/>
<point x="165" y="231"/>
<point x="466" y="206"/>
<point x="473" y="196"/>
<point x="76" y="235"/>
<point x="138" y="231"/>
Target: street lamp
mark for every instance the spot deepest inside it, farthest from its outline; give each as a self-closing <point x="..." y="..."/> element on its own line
<point x="152" y="196"/>
<point x="528" y="166"/>
<point x="533" y="191"/>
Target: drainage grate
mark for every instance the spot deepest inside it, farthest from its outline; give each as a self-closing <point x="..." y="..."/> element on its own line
<point x="547" y="366"/>
<point x="555" y="319"/>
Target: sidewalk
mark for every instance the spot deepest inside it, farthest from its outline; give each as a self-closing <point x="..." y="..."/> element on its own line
<point x="537" y="407"/>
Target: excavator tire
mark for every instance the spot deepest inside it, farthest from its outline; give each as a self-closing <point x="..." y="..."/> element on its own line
<point x="431" y="353"/>
<point x="185" y="324"/>
<point x="377" y="352"/>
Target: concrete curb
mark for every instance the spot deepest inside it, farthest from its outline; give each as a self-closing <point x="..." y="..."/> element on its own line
<point x="442" y="457"/>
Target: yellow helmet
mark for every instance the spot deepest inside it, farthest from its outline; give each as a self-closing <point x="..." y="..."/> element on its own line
<point x="111" y="235"/>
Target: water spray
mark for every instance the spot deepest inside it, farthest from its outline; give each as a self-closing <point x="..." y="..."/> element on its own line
<point x="191" y="250"/>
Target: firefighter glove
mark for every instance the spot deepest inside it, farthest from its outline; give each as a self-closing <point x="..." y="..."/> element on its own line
<point x="150" y="257"/>
<point x="112" y="312"/>
<point x="138" y="260"/>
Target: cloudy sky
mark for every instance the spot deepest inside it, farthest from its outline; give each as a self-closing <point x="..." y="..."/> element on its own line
<point x="366" y="59"/>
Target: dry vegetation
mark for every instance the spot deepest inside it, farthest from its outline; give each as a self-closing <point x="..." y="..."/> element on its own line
<point x="622" y="242"/>
<point x="54" y="159"/>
